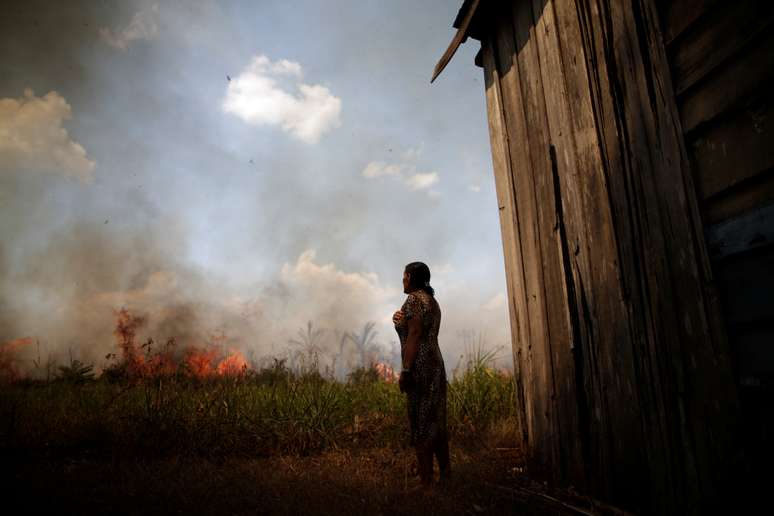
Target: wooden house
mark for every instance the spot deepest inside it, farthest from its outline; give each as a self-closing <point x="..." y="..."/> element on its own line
<point x="633" y="152"/>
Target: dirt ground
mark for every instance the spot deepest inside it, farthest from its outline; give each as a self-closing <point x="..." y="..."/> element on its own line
<point x="369" y="481"/>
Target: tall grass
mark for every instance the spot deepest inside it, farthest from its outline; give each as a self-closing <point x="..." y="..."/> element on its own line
<point x="271" y="411"/>
<point x="481" y="395"/>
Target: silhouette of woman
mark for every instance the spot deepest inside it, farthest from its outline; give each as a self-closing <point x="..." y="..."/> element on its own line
<point x="423" y="377"/>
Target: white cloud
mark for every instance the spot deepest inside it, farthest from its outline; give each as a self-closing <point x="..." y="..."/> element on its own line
<point x="379" y="168"/>
<point x="405" y="170"/>
<point x="283" y="67"/>
<point x="422" y="181"/>
<point x="257" y="98"/>
<point x="32" y="137"/>
<point x="143" y="25"/>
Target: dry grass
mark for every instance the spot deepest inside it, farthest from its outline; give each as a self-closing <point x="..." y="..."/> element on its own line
<point x="356" y="481"/>
<point x="264" y="413"/>
<point x="269" y="442"/>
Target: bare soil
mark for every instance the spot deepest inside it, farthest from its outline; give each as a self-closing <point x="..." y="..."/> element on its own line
<point x="368" y="481"/>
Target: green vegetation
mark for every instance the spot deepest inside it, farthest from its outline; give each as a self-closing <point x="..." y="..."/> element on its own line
<point x="258" y="413"/>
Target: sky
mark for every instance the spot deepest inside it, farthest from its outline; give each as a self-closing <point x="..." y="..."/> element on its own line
<point x="239" y="168"/>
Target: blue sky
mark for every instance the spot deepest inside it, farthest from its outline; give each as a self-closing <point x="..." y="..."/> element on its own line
<point x="135" y="173"/>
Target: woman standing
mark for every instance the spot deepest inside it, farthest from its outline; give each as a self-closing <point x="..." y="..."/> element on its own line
<point x="423" y="377"/>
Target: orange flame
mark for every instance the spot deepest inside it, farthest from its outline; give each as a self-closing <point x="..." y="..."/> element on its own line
<point x="198" y="362"/>
<point x="125" y="331"/>
<point x="386" y="372"/>
<point x="8" y="350"/>
<point x="233" y="365"/>
<point x="161" y="364"/>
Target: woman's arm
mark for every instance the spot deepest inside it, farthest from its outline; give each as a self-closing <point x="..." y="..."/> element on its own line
<point x="412" y="342"/>
<point x="406" y="382"/>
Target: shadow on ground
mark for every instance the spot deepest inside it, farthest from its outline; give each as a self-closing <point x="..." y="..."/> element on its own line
<point x="371" y="481"/>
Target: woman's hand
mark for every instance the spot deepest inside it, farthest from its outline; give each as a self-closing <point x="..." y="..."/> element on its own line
<point x="397" y="317"/>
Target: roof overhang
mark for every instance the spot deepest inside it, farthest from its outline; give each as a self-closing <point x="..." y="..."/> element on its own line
<point x="467" y="24"/>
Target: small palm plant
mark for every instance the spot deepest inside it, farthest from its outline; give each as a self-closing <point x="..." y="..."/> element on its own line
<point x="76" y="372"/>
<point x="343" y="339"/>
<point x="365" y="341"/>
<point x="308" y="345"/>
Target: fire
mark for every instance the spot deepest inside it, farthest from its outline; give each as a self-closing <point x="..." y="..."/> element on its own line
<point x="199" y="362"/>
<point x="233" y="365"/>
<point x="136" y="361"/>
<point x="125" y="331"/>
<point x="386" y="372"/>
<point x="8" y="350"/>
<point x="161" y="364"/>
<point x="206" y="363"/>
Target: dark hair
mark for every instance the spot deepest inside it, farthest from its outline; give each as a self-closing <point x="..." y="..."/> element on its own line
<point x="419" y="277"/>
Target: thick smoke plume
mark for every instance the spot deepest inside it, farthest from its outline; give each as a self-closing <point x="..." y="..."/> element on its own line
<point x="125" y="189"/>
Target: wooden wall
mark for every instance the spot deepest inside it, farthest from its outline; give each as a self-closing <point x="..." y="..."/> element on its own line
<point x="721" y="56"/>
<point x="626" y="387"/>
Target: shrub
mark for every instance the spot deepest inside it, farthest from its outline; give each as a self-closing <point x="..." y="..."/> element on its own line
<point x="363" y="376"/>
<point x="76" y="372"/>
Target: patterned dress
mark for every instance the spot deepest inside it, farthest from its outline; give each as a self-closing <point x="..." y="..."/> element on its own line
<point x="427" y="401"/>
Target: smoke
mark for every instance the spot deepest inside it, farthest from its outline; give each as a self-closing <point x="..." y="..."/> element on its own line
<point x="143" y="25"/>
<point x="34" y="139"/>
<point x="65" y="295"/>
<point x="124" y="185"/>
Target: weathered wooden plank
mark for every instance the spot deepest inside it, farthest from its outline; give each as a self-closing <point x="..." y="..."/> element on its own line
<point x="620" y="396"/>
<point x="741" y="234"/>
<point x="677" y="15"/>
<point x="514" y="262"/>
<point x="700" y="362"/>
<point x="746" y="76"/>
<point x="715" y="38"/>
<point x="604" y="185"/>
<point x="599" y="354"/>
<point x="610" y="242"/>
<point x="631" y="223"/>
<point x="530" y="237"/>
<point x="541" y="183"/>
<point x="744" y="196"/>
<point x="734" y="148"/>
<point x="649" y="184"/>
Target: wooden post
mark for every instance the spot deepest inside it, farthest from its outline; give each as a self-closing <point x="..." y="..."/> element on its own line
<point x="626" y="389"/>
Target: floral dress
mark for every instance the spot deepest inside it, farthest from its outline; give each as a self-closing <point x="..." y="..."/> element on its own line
<point x="427" y="400"/>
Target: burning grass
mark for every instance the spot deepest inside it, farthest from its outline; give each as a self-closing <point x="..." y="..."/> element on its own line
<point x="209" y="401"/>
<point x="160" y="413"/>
<point x="157" y="403"/>
<point x="255" y="413"/>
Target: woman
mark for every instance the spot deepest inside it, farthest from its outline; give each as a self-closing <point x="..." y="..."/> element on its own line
<point x="423" y="377"/>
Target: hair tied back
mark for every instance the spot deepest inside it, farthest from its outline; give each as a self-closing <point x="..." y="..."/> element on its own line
<point x="419" y="274"/>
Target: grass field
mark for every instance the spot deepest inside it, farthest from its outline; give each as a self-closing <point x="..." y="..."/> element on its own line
<point x="268" y="441"/>
<point x="259" y="413"/>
